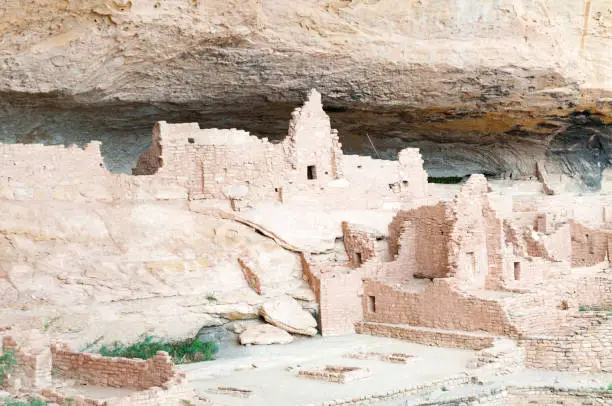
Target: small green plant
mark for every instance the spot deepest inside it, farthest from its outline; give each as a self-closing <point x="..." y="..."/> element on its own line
<point x="212" y="298"/>
<point x="592" y="309"/>
<point x="182" y="352"/>
<point x="29" y="402"/>
<point x="444" y="389"/>
<point x="610" y="387"/>
<point x="7" y="365"/>
<point x="448" y="180"/>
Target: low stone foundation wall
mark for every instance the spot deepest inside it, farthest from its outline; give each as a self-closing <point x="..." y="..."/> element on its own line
<point x="424" y="387"/>
<point x="94" y="369"/>
<point x="544" y="396"/>
<point x="172" y="393"/>
<point x="394" y="358"/>
<point x="335" y="373"/>
<point x="588" y="349"/>
<point x="426" y="336"/>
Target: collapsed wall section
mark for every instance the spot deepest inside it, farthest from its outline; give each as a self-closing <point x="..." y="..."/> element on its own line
<point x="33" y="369"/>
<point x="359" y="243"/>
<point x="418" y="240"/>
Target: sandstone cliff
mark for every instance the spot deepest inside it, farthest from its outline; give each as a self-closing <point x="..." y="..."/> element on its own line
<point x="494" y="81"/>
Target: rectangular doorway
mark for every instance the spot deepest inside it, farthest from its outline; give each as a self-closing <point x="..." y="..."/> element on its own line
<point x="371" y="304"/>
<point x="517" y="271"/>
<point x="311" y="172"/>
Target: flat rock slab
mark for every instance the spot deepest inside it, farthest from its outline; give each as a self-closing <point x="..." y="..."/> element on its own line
<point x="286" y="313"/>
<point x="265" y="334"/>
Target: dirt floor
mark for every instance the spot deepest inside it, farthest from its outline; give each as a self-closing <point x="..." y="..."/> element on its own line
<point x="267" y="375"/>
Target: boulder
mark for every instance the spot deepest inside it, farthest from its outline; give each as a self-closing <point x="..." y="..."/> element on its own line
<point x="286" y="313"/>
<point x="264" y="334"/>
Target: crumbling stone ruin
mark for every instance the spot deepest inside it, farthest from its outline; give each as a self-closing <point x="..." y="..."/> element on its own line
<point x="520" y="278"/>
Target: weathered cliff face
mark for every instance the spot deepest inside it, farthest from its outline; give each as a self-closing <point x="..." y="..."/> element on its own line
<point x="481" y="86"/>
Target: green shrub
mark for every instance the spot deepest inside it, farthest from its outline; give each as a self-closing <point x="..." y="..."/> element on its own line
<point x="30" y="402"/>
<point x="448" y="180"/>
<point x="182" y="352"/>
<point x="610" y="387"/>
<point x="591" y="309"/>
<point x="7" y="365"/>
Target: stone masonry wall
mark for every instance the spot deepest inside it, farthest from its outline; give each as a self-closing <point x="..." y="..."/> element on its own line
<point x="418" y="239"/>
<point x="340" y="302"/>
<point x="451" y="339"/>
<point x="437" y="305"/>
<point x="360" y="245"/>
<point x="39" y="172"/>
<point x="589" y="245"/>
<point x="98" y="370"/>
<point x="34" y="171"/>
<point x="467" y="248"/>
<point x="218" y="163"/>
<point x="594" y="292"/>
<point x="313" y="143"/>
<point x="587" y="349"/>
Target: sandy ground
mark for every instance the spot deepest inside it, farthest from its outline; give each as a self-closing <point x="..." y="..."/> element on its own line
<point x="271" y="372"/>
<point x="522" y="378"/>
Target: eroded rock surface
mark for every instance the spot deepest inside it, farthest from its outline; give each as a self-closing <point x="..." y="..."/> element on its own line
<point x="287" y="314"/>
<point x="264" y="334"/>
<point x="118" y="270"/>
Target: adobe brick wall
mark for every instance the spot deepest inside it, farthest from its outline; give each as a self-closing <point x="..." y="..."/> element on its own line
<point x="360" y="245"/>
<point x="438" y="305"/>
<point x="95" y="369"/>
